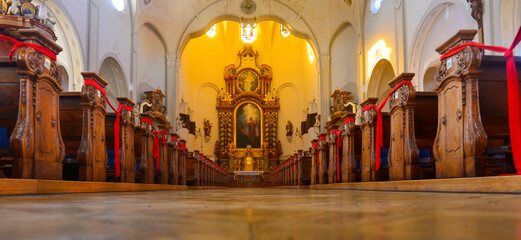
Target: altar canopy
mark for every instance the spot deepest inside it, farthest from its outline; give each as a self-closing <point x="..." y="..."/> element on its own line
<point x="248" y="116"/>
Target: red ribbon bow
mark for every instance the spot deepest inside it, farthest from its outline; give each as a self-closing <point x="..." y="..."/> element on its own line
<point x="117" y="164"/>
<point x="514" y="106"/>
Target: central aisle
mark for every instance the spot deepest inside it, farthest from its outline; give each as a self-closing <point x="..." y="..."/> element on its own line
<point x="261" y="213"/>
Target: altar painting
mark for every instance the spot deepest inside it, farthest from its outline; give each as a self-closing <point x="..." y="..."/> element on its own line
<point x="248" y="81"/>
<point x="248" y="126"/>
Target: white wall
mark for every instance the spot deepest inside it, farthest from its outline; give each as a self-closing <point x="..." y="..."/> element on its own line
<point x="344" y="67"/>
<point x="411" y="28"/>
<point x="151" y="64"/>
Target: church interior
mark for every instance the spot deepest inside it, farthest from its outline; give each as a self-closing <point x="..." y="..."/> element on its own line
<point x="260" y="119"/>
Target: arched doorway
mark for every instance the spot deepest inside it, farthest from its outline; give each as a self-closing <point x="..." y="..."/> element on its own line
<point x="444" y="18"/>
<point x="378" y="82"/>
<point x="111" y="71"/>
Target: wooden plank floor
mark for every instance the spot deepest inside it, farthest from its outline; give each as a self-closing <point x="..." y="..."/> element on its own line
<point x="502" y="184"/>
<point x="35" y="186"/>
<point x="262" y="213"/>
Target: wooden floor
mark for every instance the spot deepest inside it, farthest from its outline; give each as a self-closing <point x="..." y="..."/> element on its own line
<point x="261" y="213"/>
<point x="35" y="186"/>
<point x="502" y="184"/>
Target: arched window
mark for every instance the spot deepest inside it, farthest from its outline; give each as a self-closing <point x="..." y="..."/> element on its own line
<point x="119" y="5"/>
<point x="248" y="32"/>
<point x="375" y="5"/>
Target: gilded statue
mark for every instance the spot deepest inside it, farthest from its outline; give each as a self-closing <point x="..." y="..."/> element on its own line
<point x="231" y="149"/>
<point x="265" y="149"/>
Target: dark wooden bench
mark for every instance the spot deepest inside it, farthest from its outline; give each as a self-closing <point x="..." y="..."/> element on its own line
<point x="82" y="119"/>
<point x="190" y="176"/>
<point x="144" y="150"/>
<point x="29" y="90"/>
<point x="477" y="117"/>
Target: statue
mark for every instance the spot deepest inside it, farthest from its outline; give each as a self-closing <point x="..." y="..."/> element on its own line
<point x="358" y="116"/>
<point x="289" y="129"/>
<point x="179" y="123"/>
<point x="50" y="22"/>
<point x="231" y="149"/>
<point x="265" y="149"/>
<point x="271" y="96"/>
<point x="14" y="9"/>
<point x="317" y="124"/>
<point x="207" y="127"/>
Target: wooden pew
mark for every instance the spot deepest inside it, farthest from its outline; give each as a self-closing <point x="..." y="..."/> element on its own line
<point x="126" y="142"/>
<point x="197" y="168"/>
<point x="174" y="156"/>
<point x="304" y="168"/>
<point x="323" y="158"/>
<point x="425" y="122"/>
<point x="473" y="114"/>
<point x="190" y="176"/>
<point x="29" y="101"/>
<point x="367" y="161"/>
<point x="163" y="168"/>
<point x="333" y="162"/>
<point x="348" y="148"/>
<point x="71" y="123"/>
<point x="295" y="172"/>
<point x="403" y="151"/>
<point x="144" y="149"/>
<point x="9" y="100"/>
<point x="183" y="155"/>
<point x="314" y="161"/>
<point x="82" y="118"/>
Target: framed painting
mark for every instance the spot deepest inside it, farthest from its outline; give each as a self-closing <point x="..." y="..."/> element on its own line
<point x="248" y="81"/>
<point x="248" y="129"/>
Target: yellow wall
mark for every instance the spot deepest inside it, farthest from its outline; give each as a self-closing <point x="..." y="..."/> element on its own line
<point x="202" y="67"/>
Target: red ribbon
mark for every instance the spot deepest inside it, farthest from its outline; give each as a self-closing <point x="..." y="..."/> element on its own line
<point x="338" y="145"/>
<point x="18" y="44"/>
<point x="349" y="120"/>
<point x="318" y="152"/>
<point x="91" y="82"/>
<point x="315" y="146"/>
<point x="379" y="122"/>
<point x="163" y="132"/>
<point x="514" y="106"/>
<point x="156" y="141"/>
<point x="293" y="165"/>
<point x="116" y="137"/>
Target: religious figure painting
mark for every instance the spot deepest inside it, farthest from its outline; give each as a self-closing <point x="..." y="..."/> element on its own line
<point x="248" y="81"/>
<point x="248" y="126"/>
